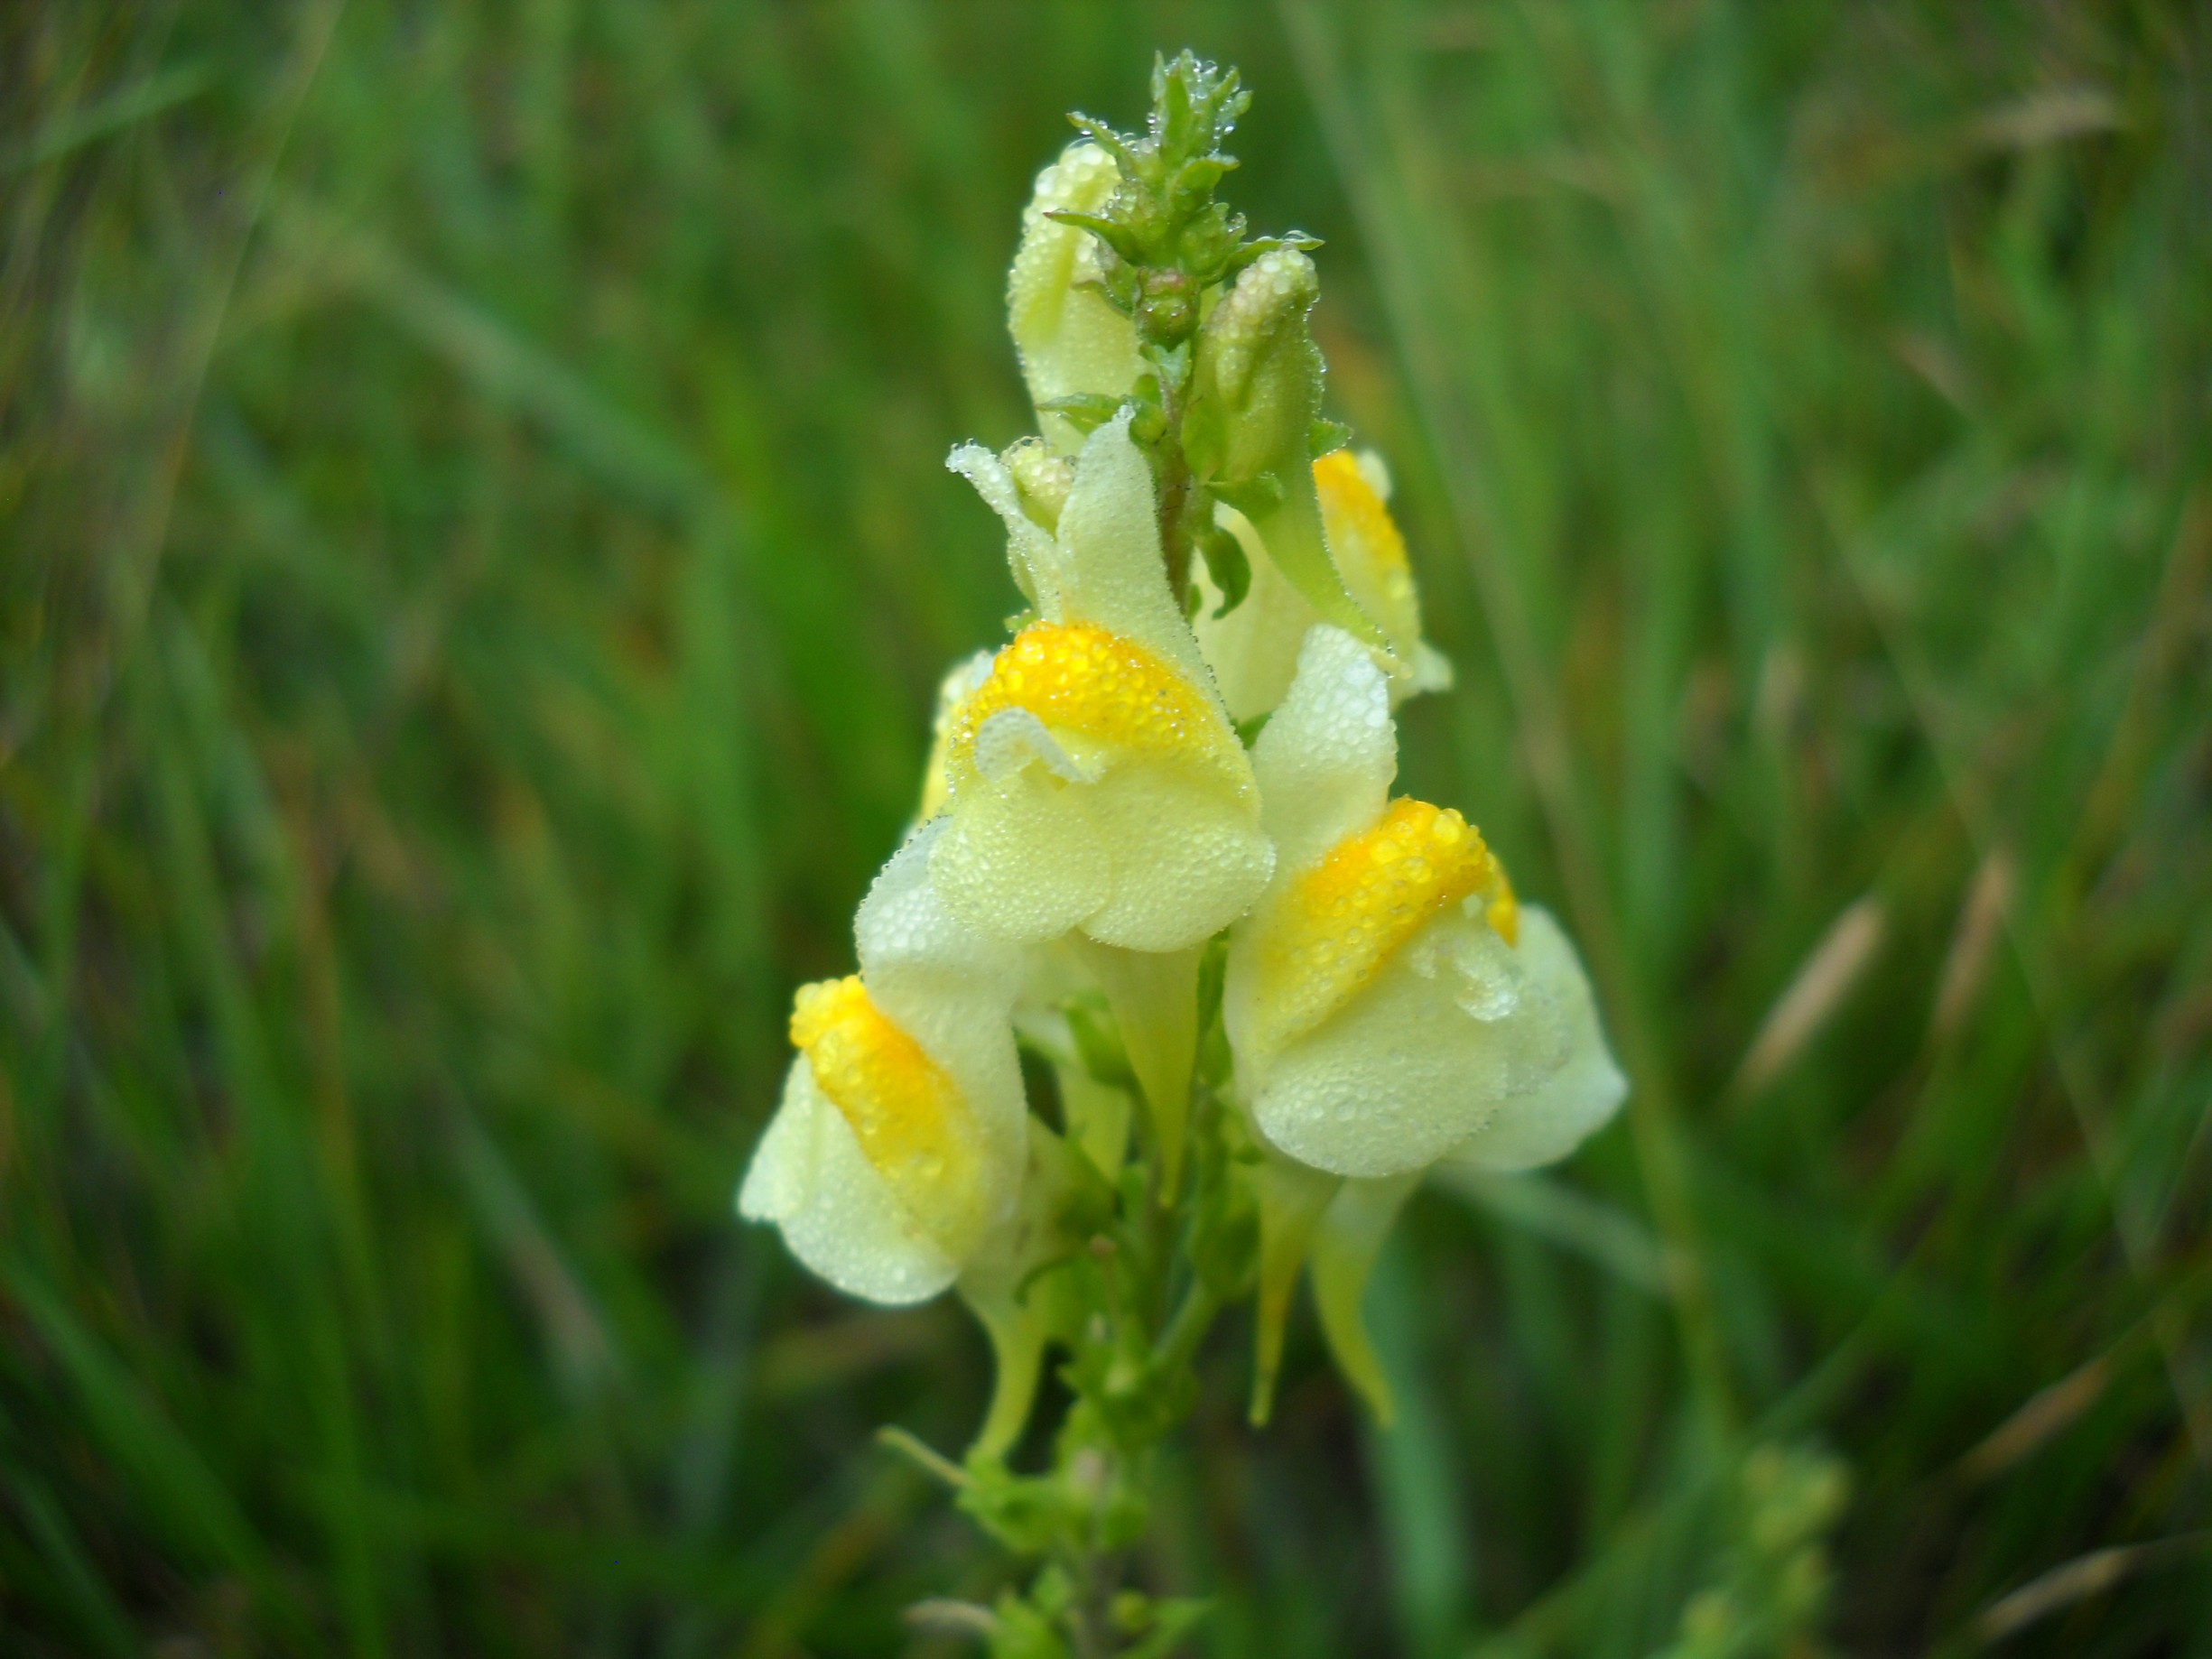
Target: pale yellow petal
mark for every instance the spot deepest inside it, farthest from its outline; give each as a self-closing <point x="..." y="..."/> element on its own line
<point x="1019" y="857"/>
<point x="837" y="1213"/>
<point x="1586" y="1089"/>
<point x="952" y="988"/>
<point x="1029" y="548"/>
<point x="1002" y="1286"/>
<point x="1292" y="1198"/>
<point x="1443" y="1032"/>
<point x="1070" y="340"/>
<point x="1104" y="699"/>
<point x="1188" y="855"/>
<point x="1154" y="996"/>
<point x="1345" y="1245"/>
<point x="1325" y="760"/>
<point x="1323" y="937"/>
<point x="1109" y="571"/>
<point x="1091" y="785"/>
<point x="935" y="1151"/>
<point x="958" y="685"/>
<point x="1368" y="549"/>
<point x="1097" y="1117"/>
<point x="1254" y="650"/>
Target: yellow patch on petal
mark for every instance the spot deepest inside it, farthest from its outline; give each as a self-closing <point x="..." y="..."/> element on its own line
<point x="1349" y="504"/>
<point x="1369" y="550"/>
<point x="1340" y="920"/>
<point x="904" y="1109"/>
<point x="1504" y="911"/>
<point x="1083" y="682"/>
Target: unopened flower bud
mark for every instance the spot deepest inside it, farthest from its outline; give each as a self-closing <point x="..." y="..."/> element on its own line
<point x="1255" y="395"/>
<point x="1261" y="326"/>
<point x="1070" y="339"/>
<point x="1169" y="311"/>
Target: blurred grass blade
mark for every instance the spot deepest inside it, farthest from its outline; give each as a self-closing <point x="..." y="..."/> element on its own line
<point x="624" y="451"/>
<point x="575" y="1331"/>
<point x="1845" y="952"/>
<point x="118" y="111"/>
<point x="2078" y="1579"/>
<point x="2048" y="1411"/>
<point x="1427" y="1542"/>
<point x="184" y="1496"/>
<point x="1556" y="1213"/>
<point x="108" y="1626"/>
<point x="1981" y="922"/>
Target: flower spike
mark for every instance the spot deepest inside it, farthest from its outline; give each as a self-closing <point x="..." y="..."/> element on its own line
<point x="1158" y="848"/>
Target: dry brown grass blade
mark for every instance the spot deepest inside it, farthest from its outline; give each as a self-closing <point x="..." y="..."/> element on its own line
<point x="1845" y="952"/>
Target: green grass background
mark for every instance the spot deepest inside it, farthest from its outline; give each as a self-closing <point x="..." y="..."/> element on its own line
<point x="475" y="561"/>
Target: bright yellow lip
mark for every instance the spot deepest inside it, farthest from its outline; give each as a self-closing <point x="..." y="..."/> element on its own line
<point x="1338" y="922"/>
<point x="1368" y="547"/>
<point x="904" y="1109"/>
<point x="1349" y="504"/>
<point x="1084" y="682"/>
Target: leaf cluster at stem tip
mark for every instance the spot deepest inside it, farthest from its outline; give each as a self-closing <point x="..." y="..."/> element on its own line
<point x="1165" y="241"/>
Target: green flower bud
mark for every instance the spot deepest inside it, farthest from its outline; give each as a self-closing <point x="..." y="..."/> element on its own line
<point x="1255" y="395"/>
<point x="1168" y="309"/>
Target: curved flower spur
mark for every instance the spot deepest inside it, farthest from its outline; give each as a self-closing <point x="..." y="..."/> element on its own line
<point x="1265" y="998"/>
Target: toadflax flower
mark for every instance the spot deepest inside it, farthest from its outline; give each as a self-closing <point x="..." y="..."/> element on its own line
<point x="897" y="1152"/>
<point x="1388" y="1001"/>
<point x="1253" y="647"/>
<point x="1092" y="780"/>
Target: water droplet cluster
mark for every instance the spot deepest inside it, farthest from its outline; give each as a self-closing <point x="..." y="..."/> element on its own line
<point x="1080" y="180"/>
<point x="1094" y="684"/>
<point x="1341" y="920"/>
<point x="1278" y="285"/>
<point x="904" y="1109"/>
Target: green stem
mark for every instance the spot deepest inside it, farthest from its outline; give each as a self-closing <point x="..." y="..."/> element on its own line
<point x="1172" y="471"/>
<point x="1179" y="1338"/>
<point x="1090" y="1621"/>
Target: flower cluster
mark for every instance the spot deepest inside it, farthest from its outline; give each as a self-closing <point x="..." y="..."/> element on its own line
<point x="1157" y="847"/>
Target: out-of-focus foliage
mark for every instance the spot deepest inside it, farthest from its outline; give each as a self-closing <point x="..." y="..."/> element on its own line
<point x="475" y="561"/>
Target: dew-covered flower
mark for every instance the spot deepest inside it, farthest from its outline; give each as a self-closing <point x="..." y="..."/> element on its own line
<point x="1092" y="780"/>
<point x="1253" y="647"/>
<point x="897" y="1151"/>
<point x="1388" y="1001"/>
<point x="1071" y="340"/>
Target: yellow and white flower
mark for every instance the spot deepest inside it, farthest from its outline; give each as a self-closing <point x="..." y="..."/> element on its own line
<point x="1070" y="339"/>
<point x="897" y="1152"/>
<point x="1388" y="1001"/>
<point x="1093" y="781"/>
<point x="1254" y="650"/>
